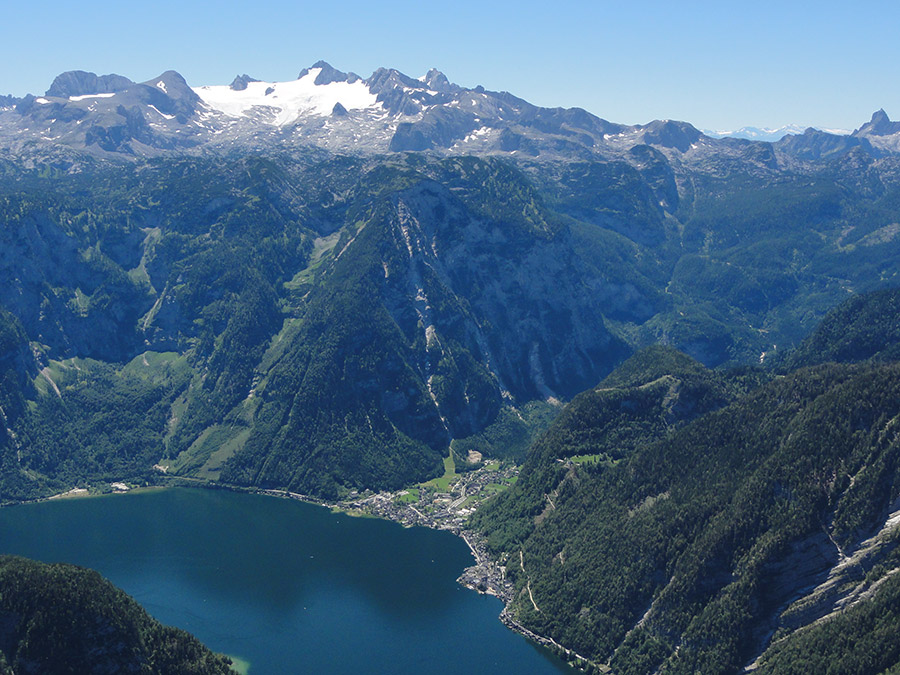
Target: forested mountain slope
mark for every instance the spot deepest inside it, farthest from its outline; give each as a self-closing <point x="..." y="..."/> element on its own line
<point x="325" y="323"/>
<point x="704" y="544"/>
<point x="65" y="619"/>
<point x="867" y="326"/>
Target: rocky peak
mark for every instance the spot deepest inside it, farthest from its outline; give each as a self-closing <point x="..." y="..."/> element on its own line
<point x="174" y="86"/>
<point x="437" y="81"/>
<point x="81" y="83"/>
<point x="879" y="125"/>
<point x="391" y="87"/>
<point x="240" y="82"/>
<point x="328" y="74"/>
<point x="670" y="134"/>
<point x="388" y="78"/>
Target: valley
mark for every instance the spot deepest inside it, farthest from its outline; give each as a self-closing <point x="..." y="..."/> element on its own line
<point x="648" y="375"/>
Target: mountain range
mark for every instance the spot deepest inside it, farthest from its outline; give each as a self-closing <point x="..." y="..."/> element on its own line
<point x="342" y="112"/>
<point x="337" y="285"/>
<point x="274" y="288"/>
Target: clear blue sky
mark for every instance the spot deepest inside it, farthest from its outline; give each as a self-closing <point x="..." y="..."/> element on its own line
<point x="718" y="65"/>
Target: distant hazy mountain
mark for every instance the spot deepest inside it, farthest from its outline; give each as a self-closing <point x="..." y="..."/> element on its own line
<point x="769" y="134"/>
<point x="757" y="134"/>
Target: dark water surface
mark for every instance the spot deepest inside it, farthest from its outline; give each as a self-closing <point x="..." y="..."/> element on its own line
<point x="287" y="586"/>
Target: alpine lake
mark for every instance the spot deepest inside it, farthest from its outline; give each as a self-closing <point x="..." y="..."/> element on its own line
<point x="283" y="586"/>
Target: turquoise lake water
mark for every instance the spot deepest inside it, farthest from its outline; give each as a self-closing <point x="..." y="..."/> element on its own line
<point x="286" y="586"/>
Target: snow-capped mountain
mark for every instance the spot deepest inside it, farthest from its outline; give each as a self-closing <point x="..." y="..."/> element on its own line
<point x="341" y="112"/>
<point x="323" y="107"/>
<point x="281" y="103"/>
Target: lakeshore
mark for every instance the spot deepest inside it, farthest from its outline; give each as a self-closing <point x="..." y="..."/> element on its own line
<point x="441" y="504"/>
<point x="437" y="509"/>
<point x="285" y="586"/>
<point x="449" y="509"/>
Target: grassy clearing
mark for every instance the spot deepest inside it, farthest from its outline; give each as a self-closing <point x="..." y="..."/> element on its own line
<point x="213" y="466"/>
<point x="279" y="343"/>
<point x="586" y="459"/>
<point x="59" y="371"/>
<point x="443" y="483"/>
<point x="212" y="448"/>
<point x="322" y="246"/>
<point x="179" y="405"/>
<point x="157" y="366"/>
<point x="411" y="496"/>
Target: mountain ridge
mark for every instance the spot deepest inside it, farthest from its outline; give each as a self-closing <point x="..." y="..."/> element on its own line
<point x="713" y="543"/>
<point x="337" y="111"/>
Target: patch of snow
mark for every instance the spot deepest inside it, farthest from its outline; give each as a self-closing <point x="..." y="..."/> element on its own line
<point x="291" y="99"/>
<point x="481" y="131"/>
<point x="417" y="89"/>
<point x="162" y="85"/>
<point x="41" y="100"/>
<point x="168" y="117"/>
<point x="87" y="96"/>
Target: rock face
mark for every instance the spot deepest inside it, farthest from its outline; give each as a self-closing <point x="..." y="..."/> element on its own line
<point x="879" y="125"/>
<point x="240" y="82"/>
<point x="814" y="145"/>
<point x="880" y="132"/>
<point x="111" y="114"/>
<point x="81" y="83"/>
<point x="38" y="258"/>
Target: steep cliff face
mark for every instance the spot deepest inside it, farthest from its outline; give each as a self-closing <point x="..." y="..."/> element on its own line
<point x="509" y="287"/>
